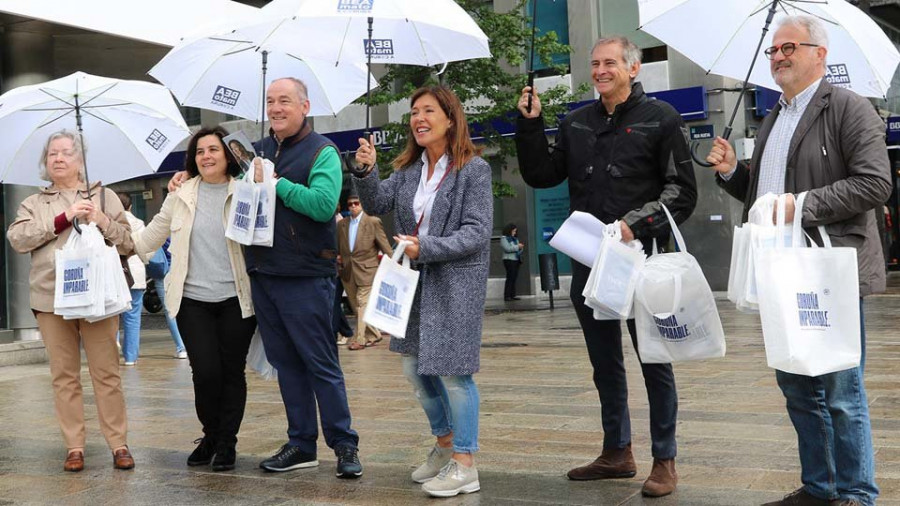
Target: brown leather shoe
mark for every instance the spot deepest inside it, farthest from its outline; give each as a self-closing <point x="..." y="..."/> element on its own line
<point x="662" y="479"/>
<point x="122" y="459"/>
<point x="356" y="346"/>
<point x="612" y="463"/>
<point x="799" y="497"/>
<point x="74" y="462"/>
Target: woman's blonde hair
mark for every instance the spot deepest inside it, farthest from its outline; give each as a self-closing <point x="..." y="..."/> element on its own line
<point x="77" y="145"/>
<point x="459" y="144"/>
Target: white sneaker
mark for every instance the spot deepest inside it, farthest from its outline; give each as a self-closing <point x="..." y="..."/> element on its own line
<point x="342" y="341"/>
<point x="453" y="479"/>
<point x="129" y="363"/>
<point x="437" y="459"/>
<point x="181" y="354"/>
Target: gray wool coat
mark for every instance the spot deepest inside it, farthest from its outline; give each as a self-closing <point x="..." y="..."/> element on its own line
<point x="444" y="329"/>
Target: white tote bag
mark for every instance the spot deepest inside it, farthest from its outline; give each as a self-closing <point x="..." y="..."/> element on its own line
<point x="257" y="360"/>
<point x="809" y="303"/>
<point x="675" y="311"/>
<point x="393" y="290"/>
<point x="264" y="229"/>
<point x="75" y="277"/>
<point x="610" y="287"/>
<point x="242" y="214"/>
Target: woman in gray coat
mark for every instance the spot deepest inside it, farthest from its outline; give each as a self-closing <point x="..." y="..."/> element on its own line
<point x="441" y="196"/>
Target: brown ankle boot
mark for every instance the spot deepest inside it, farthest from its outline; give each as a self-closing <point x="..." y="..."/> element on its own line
<point x="612" y="463"/>
<point x="662" y="479"/>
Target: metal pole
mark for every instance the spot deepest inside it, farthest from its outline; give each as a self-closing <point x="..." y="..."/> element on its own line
<point x="727" y="132"/>
<point x="262" y="112"/>
<point x="531" y="69"/>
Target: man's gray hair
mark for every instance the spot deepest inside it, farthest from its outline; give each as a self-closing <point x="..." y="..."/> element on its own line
<point x="302" y="91"/>
<point x="77" y="146"/>
<point x="630" y="52"/>
<point x="813" y="25"/>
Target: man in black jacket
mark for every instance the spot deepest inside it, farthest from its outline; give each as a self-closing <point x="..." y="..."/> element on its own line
<point x="624" y="155"/>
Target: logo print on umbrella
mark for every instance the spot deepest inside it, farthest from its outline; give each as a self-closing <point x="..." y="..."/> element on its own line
<point x="837" y="75"/>
<point x="226" y="96"/>
<point x="157" y="140"/>
<point x="380" y="48"/>
<point x="355" y="5"/>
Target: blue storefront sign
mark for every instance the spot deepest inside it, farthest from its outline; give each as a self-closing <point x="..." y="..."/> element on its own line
<point x="551" y="208"/>
<point x="893" y="129"/>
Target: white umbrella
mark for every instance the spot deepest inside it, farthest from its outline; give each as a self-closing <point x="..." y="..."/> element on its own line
<point x="409" y="32"/>
<point x="225" y="73"/>
<point x="128" y="127"/>
<point x="860" y="55"/>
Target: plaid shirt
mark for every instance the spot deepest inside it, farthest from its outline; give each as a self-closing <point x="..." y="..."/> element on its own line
<point x="774" y="160"/>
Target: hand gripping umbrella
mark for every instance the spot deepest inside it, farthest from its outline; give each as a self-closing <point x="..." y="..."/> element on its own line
<point x="860" y="56"/>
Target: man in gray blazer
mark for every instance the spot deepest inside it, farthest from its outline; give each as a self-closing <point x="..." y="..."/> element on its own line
<point x="828" y="142"/>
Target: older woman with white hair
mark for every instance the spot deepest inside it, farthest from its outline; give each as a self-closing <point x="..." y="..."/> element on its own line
<point x="42" y="226"/>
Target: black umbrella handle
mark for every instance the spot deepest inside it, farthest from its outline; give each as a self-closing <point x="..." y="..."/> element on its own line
<point x="362" y="171"/>
<point x="530" y="91"/>
<point x="694" y="145"/>
<point x="75" y="225"/>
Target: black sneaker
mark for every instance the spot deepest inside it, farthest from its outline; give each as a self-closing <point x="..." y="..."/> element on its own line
<point x="203" y="453"/>
<point x="289" y="458"/>
<point x="348" y="465"/>
<point x="224" y="459"/>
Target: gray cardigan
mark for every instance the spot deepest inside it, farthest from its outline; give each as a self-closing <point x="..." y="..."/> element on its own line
<point x="445" y="323"/>
<point x="838" y="155"/>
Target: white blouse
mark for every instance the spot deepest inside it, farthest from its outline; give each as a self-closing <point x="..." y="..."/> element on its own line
<point x="427" y="189"/>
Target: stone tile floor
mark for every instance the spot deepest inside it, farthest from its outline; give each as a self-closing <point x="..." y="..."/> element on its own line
<point x="540" y="416"/>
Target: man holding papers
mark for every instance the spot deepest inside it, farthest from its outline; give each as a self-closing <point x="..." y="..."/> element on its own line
<point x="623" y="155"/>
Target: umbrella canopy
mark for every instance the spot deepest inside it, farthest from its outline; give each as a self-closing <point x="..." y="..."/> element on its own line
<point x="412" y="32"/>
<point x="860" y="55"/>
<point x="225" y="73"/>
<point x="129" y="127"/>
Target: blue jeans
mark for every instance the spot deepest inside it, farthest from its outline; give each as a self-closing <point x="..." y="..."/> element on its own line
<point x="131" y="322"/>
<point x="450" y="403"/>
<point x="294" y="317"/>
<point x="160" y="286"/>
<point x="831" y="416"/>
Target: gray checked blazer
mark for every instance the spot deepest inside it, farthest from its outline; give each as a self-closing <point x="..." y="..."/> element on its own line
<point x="445" y="322"/>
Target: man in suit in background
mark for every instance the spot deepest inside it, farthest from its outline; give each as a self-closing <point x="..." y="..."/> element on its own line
<point x="360" y="238"/>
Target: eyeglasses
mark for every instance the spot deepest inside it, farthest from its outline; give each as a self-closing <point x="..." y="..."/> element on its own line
<point x="786" y="49"/>
<point x="353" y="204"/>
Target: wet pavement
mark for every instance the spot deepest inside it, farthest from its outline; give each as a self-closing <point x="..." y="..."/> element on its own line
<point x="539" y="417"/>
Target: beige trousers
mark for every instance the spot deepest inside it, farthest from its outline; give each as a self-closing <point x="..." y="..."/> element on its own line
<point x="62" y="338"/>
<point x="358" y="296"/>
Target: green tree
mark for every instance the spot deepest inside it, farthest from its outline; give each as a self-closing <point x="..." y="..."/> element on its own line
<point x="488" y="86"/>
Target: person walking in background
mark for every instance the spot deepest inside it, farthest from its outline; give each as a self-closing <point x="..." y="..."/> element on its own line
<point x="156" y="270"/>
<point x="441" y="196"/>
<point x="42" y="226"/>
<point x="208" y="292"/>
<point x="512" y="259"/>
<point x="360" y="238"/>
<point x="624" y="156"/>
<point x="342" y="329"/>
<point x="131" y="319"/>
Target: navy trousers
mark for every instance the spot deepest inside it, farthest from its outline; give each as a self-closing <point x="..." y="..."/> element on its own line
<point x="294" y="316"/>
<point x="604" y="343"/>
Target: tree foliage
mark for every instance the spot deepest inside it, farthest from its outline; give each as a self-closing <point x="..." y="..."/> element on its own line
<point x="489" y="87"/>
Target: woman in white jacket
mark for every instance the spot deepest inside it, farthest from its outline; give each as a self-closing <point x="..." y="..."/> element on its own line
<point x="208" y="292"/>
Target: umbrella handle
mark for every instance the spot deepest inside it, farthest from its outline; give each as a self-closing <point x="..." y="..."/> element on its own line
<point x="700" y="161"/>
<point x="75" y="225"/>
<point x="530" y="91"/>
<point x="364" y="170"/>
